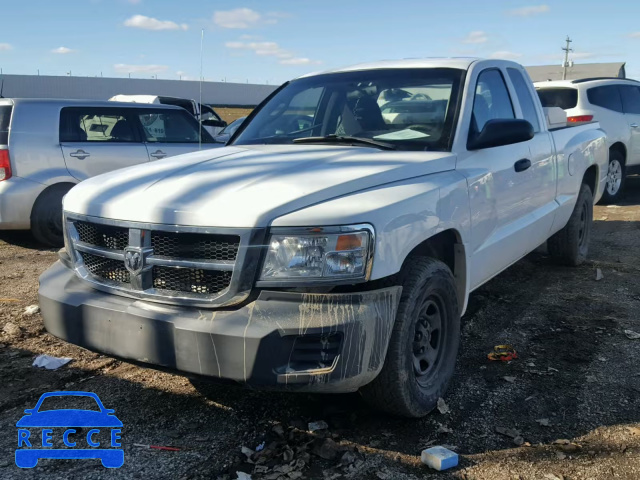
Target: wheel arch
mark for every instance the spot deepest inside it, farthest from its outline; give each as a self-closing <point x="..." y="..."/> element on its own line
<point x="590" y="177"/>
<point x="620" y="148"/>
<point x="448" y="247"/>
<point x="56" y="186"/>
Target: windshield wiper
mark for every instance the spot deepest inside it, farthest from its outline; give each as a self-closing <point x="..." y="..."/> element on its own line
<point x="340" y="139"/>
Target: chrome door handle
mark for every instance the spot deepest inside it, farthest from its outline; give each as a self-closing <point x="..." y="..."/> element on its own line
<point x="158" y="154"/>
<point x="634" y="125"/>
<point x="80" y="154"/>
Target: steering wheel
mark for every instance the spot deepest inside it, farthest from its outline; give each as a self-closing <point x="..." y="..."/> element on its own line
<point x="421" y="96"/>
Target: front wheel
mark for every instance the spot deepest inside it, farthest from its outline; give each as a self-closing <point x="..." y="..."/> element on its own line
<point x="424" y="343"/>
<point x="571" y="244"/>
<point x="616" y="174"/>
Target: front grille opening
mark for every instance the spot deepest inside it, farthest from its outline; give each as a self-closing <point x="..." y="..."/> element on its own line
<point x="106" y="268"/>
<point x="313" y="352"/>
<point x="195" y="246"/>
<point x="191" y="280"/>
<point x="106" y="236"/>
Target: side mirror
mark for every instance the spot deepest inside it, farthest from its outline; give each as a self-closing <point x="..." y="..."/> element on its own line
<point x="214" y="123"/>
<point x="499" y="132"/>
<point x="29" y="411"/>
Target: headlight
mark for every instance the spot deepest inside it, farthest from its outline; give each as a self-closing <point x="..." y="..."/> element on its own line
<point x="319" y="254"/>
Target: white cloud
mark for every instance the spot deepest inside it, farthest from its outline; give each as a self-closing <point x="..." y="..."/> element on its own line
<point x="634" y="35"/>
<point x="477" y="36"/>
<point x="299" y="61"/>
<point x="264" y="49"/>
<point x="505" y="55"/>
<point x="62" y="50"/>
<point x="124" y="68"/>
<point x="5" y="47"/>
<point x="183" y="75"/>
<point x="271" y="49"/>
<point x="529" y="11"/>
<point x="149" y="23"/>
<point x="238" y="18"/>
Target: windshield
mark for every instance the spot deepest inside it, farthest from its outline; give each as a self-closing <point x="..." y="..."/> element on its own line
<point x="411" y="109"/>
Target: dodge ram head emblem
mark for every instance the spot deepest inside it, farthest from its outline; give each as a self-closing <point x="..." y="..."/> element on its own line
<point x="133" y="260"/>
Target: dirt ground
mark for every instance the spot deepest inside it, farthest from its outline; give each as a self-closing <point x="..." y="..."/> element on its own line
<point x="572" y="395"/>
<point x="231" y="114"/>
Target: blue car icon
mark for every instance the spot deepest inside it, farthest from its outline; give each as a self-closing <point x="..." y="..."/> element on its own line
<point x="67" y="419"/>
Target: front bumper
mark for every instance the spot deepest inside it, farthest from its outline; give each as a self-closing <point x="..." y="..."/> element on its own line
<point x="308" y="342"/>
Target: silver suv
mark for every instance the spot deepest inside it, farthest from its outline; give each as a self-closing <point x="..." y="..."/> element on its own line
<point x="48" y="146"/>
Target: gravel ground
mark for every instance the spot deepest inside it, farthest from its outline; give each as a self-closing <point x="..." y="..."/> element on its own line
<point x="571" y="396"/>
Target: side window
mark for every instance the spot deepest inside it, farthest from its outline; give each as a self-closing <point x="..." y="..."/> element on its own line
<point x="630" y="98"/>
<point x="171" y="126"/>
<point x="491" y="100"/>
<point x="606" y="96"/>
<point x="524" y="96"/>
<point x="96" y="125"/>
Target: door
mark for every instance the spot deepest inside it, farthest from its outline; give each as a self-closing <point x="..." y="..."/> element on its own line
<point x="631" y="106"/>
<point x="172" y="132"/>
<point x="497" y="204"/>
<point x="539" y="181"/>
<point x="99" y="140"/>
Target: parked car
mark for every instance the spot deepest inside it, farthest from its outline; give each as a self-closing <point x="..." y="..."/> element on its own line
<point x="47" y="146"/>
<point x="211" y="121"/>
<point x="331" y="258"/>
<point x="615" y="104"/>
<point x="226" y="132"/>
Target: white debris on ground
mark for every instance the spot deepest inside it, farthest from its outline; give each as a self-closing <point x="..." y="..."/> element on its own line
<point x="49" y="362"/>
<point x="32" y="310"/>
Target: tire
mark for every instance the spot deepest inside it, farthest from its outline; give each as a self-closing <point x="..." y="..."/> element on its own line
<point x="570" y="245"/>
<point x="411" y="382"/>
<point x="616" y="176"/>
<point x="46" y="216"/>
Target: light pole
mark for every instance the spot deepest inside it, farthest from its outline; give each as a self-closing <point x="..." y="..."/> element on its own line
<point x="565" y="65"/>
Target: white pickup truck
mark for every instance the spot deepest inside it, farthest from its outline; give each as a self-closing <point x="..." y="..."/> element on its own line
<point x="333" y="245"/>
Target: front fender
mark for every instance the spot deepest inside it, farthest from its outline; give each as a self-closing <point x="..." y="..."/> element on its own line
<point x="404" y="214"/>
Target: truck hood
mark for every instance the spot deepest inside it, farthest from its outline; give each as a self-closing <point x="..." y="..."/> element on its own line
<point x="244" y="186"/>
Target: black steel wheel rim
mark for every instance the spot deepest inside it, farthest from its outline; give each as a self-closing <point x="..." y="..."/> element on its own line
<point x="582" y="225"/>
<point x="428" y="339"/>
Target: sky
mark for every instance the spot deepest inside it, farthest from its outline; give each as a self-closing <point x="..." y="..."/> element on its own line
<point x="271" y="41"/>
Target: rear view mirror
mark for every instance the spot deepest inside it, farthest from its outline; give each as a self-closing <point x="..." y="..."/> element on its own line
<point x="499" y="132"/>
<point x="214" y="123"/>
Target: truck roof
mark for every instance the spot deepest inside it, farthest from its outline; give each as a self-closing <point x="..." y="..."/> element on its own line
<point x="462" y="63"/>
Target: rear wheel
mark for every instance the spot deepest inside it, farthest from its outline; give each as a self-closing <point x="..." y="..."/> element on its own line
<point x="46" y="216"/>
<point x="422" y="351"/>
<point x="616" y="174"/>
<point x="571" y="244"/>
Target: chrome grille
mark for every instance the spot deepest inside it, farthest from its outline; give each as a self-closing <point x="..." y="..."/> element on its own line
<point x="195" y="245"/>
<point x="106" y="268"/>
<point x="190" y="280"/>
<point x="116" y="238"/>
<point x="164" y="263"/>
